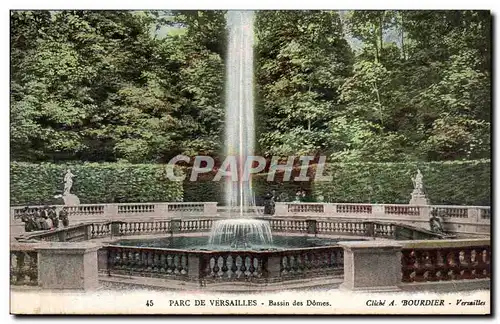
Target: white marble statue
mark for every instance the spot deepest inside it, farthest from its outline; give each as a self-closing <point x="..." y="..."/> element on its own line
<point x="418" y="183"/>
<point x="68" y="182"/>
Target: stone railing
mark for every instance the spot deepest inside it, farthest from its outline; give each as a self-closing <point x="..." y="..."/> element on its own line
<point x="146" y="261"/>
<point x="83" y="232"/>
<point x="351" y="228"/>
<point x="23" y="265"/>
<point x="88" y="231"/>
<point x="456" y="219"/>
<point x="424" y="261"/>
<point x="129" y="210"/>
<point x="403" y="264"/>
<point x="213" y="266"/>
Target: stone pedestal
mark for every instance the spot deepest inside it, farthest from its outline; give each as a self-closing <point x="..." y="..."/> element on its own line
<point x="281" y="209"/>
<point x="71" y="200"/>
<point x="210" y="208"/>
<point x="419" y="198"/>
<point x="371" y="266"/>
<point x="68" y="266"/>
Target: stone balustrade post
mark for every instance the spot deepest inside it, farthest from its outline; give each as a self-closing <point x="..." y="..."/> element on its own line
<point x="473" y="214"/>
<point x="111" y="211"/>
<point x="371" y="266"/>
<point x="68" y="266"/>
<point x="425" y="215"/>
<point x="378" y="211"/>
<point x="330" y="209"/>
<point x="281" y="209"/>
<point x="175" y="225"/>
<point x="210" y="208"/>
<point x="194" y="266"/>
<point x="312" y="226"/>
<point x="369" y="229"/>
<point x="161" y="209"/>
<point x="115" y="228"/>
<point x="274" y="267"/>
<point x="102" y="259"/>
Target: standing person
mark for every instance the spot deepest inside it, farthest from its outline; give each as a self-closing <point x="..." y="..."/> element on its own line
<point x="37" y="218"/>
<point x="42" y="218"/>
<point x="53" y="216"/>
<point x="27" y="219"/>
<point x="273" y="202"/>
<point x="63" y="216"/>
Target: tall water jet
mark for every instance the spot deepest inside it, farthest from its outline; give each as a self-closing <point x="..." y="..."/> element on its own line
<point x="240" y="127"/>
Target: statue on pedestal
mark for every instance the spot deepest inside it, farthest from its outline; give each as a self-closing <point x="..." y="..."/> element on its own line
<point x="436" y="222"/>
<point x="418" y="184"/>
<point x="68" y="197"/>
<point x="68" y="182"/>
<point x="418" y="196"/>
<point x="269" y="203"/>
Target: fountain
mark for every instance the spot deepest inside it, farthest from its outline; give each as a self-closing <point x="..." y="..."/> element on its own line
<point x="240" y="232"/>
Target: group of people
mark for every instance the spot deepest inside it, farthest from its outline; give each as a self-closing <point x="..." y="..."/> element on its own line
<point x="271" y="198"/>
<point x="46" y="218"/>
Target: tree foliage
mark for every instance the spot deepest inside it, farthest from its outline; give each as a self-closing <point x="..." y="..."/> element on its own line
<point x="357" y="86"/>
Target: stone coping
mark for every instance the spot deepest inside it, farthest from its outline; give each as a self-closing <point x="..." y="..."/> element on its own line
<point x="435" y="244"/>
<point x="67" y="247"/>
<point x="370" y="244"/>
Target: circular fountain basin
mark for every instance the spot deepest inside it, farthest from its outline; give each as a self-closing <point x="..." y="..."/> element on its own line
<point x="201" y="243"/>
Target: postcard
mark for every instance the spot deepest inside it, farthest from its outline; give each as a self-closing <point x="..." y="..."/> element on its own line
<point x="305" y="162"/>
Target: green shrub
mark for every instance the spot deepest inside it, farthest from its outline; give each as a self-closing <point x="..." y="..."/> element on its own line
<point x="453" y="183"/>
<point x="93" y="183"/>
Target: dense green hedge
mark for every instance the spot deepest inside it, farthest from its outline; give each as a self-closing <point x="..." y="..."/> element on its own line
<point x="454" y="182"/>
<point x="93" y="183"/>
<point x="457" y="183"/>
<point x="206" y="190"/>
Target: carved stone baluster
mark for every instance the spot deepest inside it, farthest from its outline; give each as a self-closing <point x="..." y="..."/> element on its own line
<point x="284" y="265"/>
<point x="409" y="265"/>
<point x="162" y="265"/>
<point x="177" y="264"/>
<point x="257" y="265"/>
<point x="156" y="261"/>
<point x="452" y="264"/>
<point x="184" y="264"/>
<point x="218" y="267"/>
<point x="239" y="264"/>
<point x="229" y="264"/>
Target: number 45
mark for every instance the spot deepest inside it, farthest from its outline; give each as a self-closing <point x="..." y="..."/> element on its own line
<point x="149" y="303"/>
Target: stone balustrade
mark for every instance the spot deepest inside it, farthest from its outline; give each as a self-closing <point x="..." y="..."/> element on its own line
<point x="406" y="262"/>
<point x="456" y="219"/>
<point x="86" y="231"/>
<point x="214" y="266"/>
<point x="161" y="263"/>
<point x="424" y="261"/>
<point x="123" y="211"/>
<point x="23" y="264"/>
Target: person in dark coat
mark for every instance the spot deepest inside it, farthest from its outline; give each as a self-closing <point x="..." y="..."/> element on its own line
<point x="63" y="216"/>
<point x="41" y="216"/>
<point x="27" y="219"/>
<point x="268" y="204"/>
<point x="53" y="216"/>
